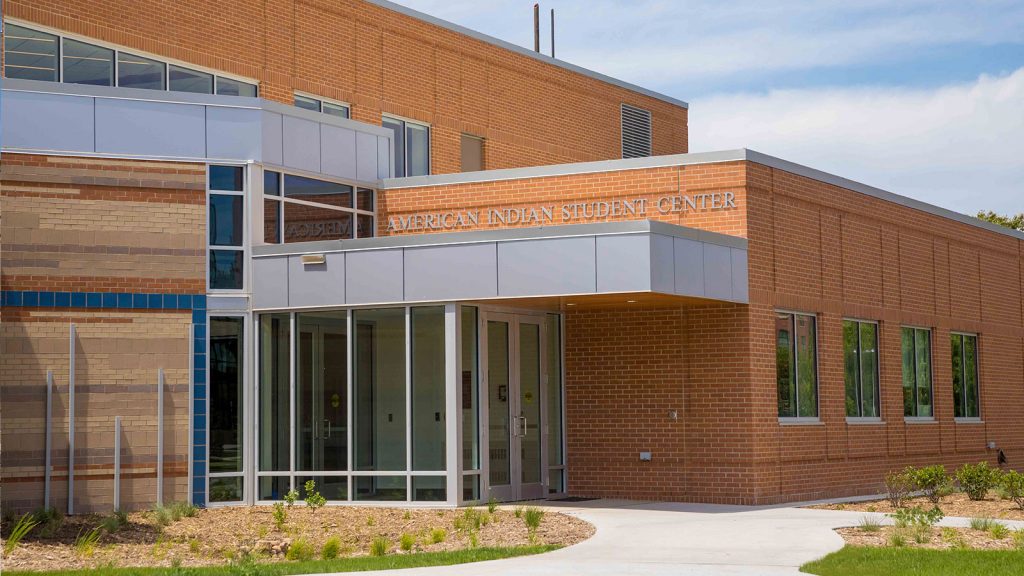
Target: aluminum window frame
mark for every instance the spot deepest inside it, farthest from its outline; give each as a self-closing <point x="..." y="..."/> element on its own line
<point x="405" y="142"/>
<point x="281" y="199"/>
<point x="245" y="425"/>
<point x="797" y="419"/>
<point x="244" y="248"/>
<point x="321" y="100"/>
<point x="916" y="417"/>
<point x="977" y="373"/>
<point x="860" y="418"/>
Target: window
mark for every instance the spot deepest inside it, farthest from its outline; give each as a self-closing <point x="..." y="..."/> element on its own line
<point x="30" y="55"/>
<point x="917" y="372"/>
<point x="35" y="55"/>
<point x="318" y="105"/>
<point x="472" y="153"/>
<point x="411" y="147"/>
<point x="636" y="132"/>
<point x="226" y="409"/>
<point x="227" y="251"/>
<point x="965" y="375"/>
<point x="300" y="209"/>
<point x="860" y="355"/>
<point x="796" y="365"/>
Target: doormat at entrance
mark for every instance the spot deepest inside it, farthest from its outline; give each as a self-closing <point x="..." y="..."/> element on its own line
<point x="573" y="499"/>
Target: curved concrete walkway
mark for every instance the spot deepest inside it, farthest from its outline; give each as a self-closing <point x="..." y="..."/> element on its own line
<point x="660" y="538"/>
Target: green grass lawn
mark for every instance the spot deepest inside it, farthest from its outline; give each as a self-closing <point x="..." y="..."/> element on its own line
<point x="865" y="561"/>
<point x="314" y="566"/>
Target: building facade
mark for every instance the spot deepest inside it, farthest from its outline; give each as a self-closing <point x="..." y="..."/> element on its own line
<point x="351" y="243"/>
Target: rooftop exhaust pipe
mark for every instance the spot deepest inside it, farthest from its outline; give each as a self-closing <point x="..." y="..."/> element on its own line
<point x="536" y="28"/>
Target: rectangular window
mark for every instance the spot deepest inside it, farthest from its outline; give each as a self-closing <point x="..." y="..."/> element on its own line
<point x="472" y="153"/>
<point x="232" y="87"/>
<point x="796" y="365"/>
<point x="556" y="460"/>
<point x="29" y="54"/>
<point x="411" y="147"/>
<point x="917" y="372"/>
<point x="317" y="105"/>
<point x="138" y="72"/>
<point x="300" y="209"/>
<point x="226" y="227"/>
<point x="87" y="64"/>
<point x="428" y="389"/>
<point x="226" y="408"/>
<point x="186" y="80"/>
<point x="275" y="400"/>
<point x="379" y="400"/>
<point x="860" y="355"/>
<point x="966" y="402"/>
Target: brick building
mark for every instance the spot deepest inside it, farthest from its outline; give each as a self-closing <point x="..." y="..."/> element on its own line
<point x="349" y="242"/>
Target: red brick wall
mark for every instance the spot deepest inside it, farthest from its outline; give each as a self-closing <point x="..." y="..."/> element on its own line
<point x="380" y="61"/>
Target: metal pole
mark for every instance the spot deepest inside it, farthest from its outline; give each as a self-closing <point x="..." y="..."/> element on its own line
<point x="71" y="423"/>
<point x="552" y="32"/>
<point x="536" y="27"/>
<point x="117" y="463"/>
<point x="49" y="438"/>
<point x="160" y="437"/>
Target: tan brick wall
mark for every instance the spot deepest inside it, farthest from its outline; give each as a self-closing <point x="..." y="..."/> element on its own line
<point x="380" y="61"/>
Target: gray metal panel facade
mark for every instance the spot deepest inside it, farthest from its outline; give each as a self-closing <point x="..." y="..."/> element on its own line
<point x="273" y="138"/>
<point x="740" y="282"/>
<point x="451" y="272"/>
<point x="270" y="285"/>
<point x="301" y="144"/>
<point x="233" y="132"/>
<point x="317" y="284"/>
<point x="542" y="267"/>
<point x="688" y="256"/>
<point x="383" y="158"/>
<point x="47" y="121"/>
<point x="366" y="157"/>
<point x="624" y="263"/>
<point x="338" y="151"/>
<point x="663" y="278"/>
<point x="374" y="276"/>
<point x="144" y="128"/>
<point x="717" y="272"/>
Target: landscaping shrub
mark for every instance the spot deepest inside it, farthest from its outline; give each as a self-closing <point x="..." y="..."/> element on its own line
<point x="21" y="529"/>
<point x="869" y="524"/>
<point x="300" y="550"/>
<point x="85" y="543"/>
<point x="916" y="516"/>
<point x="998" y="531"/>
<point x="955" y="540"/>
<point x="1018" y="539"/>
<point x="50" y="520"/>
<point x="533" y="516"/>
<point x="977" y="479"/>
<point x="379" y="546"/>
<point x="899" y="485"/>
<point x="492" y="505"/>
<point x="438" y="535"/>
<point x="290" y="497"/>
<point x="181" y="510"/>
<point x="898" y="538"/>
<point x="280" y="515"/>
<point x="1013" y="484"/>
<point x="406" y="542"/>
<point x="114" y="522"/>
<point x="982" y="524"/>
<point x="331" y="548"/>
<point x="933" y="481"/>
<point x="313" y="498"/>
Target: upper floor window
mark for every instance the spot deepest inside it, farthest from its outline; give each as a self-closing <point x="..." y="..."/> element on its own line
<point x="36" y="55"/>
<point x="226" y="227"/>
<point x="796" y="365"/>
<point x="860" y="356"/>
<point x="321" y="105"/>
<point x="301" y="209"/>
<point x="917" y="372"/>
<point x="965" y="375"/>
<point x="411" y="147"/>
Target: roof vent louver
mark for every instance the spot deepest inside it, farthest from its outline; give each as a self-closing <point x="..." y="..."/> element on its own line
<point x="636" y="132"/>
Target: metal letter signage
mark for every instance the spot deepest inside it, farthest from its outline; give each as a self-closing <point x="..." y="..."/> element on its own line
<point x="633" y="208"/>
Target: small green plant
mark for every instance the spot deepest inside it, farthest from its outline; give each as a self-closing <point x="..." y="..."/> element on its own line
<point x="407" y="515"/>
<point x="870" y="524"/>
<point x="1013" y="484"/>
<point x="85" y="543"/>
<point x="379" y="546"/>
<point x="50" y="520"/>
<point x="999" y="491"/>
<point x="470" y="521"/>
<point x="933" y="481"/>
<point x="982" y="524"/>
<point x="280" y="515"/>
<point x="331" y="548"/>
<point x="492" y="505"/>
<point x="290" y="497"/>
<point x="181" y="510"/>
<point x="998" y="531"/>
<point x="977" y="479"/>
<point x="262" y="531"/>
<point x="898" y="486"/>
<point x="193" y="546"/>
<point x="438" y="535"/>
<point x="314" y="499"/>
<point x="916" y="516"/>
<point x="518" y="511"/>
<point x="369" y="521"/>
<point x="474" y="540"/>
<point x="161" y="515"/>
<point x="21" y="529"/>
<point x="533" y="516"/>
<point x="300" y="550"/>
<point x="114" y="522"/>
<point x="898" y="538"/>
<point x="953" y="537"/>
<point x="406" y="542"/>
<point x="921" y="534"/>
<point x="1018" y="539"/>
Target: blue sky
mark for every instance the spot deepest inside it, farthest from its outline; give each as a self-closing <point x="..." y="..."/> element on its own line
<point x="923" y="98"/>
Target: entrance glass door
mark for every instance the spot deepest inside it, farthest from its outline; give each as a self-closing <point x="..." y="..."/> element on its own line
<point x="514" y="391"/>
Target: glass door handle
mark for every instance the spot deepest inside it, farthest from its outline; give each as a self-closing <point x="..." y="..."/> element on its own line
<point x="327" y="428"/>
<point x="524" y="425"/>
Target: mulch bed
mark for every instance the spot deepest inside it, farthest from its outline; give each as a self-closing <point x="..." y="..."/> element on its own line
<point x="941" y="538"/>
<point x="953" y="505"/>
<point x="222" y="535"/>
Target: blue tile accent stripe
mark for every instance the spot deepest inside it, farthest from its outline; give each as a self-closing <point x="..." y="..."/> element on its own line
<point x="195" y="303"/>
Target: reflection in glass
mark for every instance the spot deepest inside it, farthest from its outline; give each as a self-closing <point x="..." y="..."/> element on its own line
<point x="429" y="489"/>
<point x="273" y="487"/>
<point x="303" y="223"/>
<point x="186" y="80"/>
<point x="88" y="64"/>
<point x="334" y="110"/>
<point x="229" y="87"/>
<point x="225" y="220"/>
<point x="469" y="389"/>
<point x="364" y="199"/>
<point x="367" y="228"/>
<point x="226" y="489"/>
<point x="529" y="402"/>
<point x="138" y="72"/>
<point x="274" y="389"/>
<point x="29" y="55"/>
<point x="226" y="269"/>
<point x="397" y="127"/>
<point x="428" y="390"/>
<point x="552" y="329"/>
<point x="498" y="402"/>
<point x="381" y="488"/>
<point x="418" y="150"/>
<point x="924" y="372"/>
<point x="971" y="377"/>
<point x="471" y="487"/>
<point x="379" y="394"/>
<point x="227" y="178"/>
<point x="330" y="487"/>
<point x="226" y="388"/>
<point x="271" y="183"/>
<point x="784" y="372"/>
<point x="319" y="191"/>
<point x="869" y="369"/>
<point x="321" y="392"/>
<point x="271" y="221"/>
<point x="307" y="103"/>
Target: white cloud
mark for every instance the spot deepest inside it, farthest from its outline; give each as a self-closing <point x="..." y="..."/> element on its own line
<point x="959" y="146"/>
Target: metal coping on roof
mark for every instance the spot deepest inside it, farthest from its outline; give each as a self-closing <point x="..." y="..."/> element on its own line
<point x="503" y="235"/>
<point x="525" y="51"/>
<point x="741" y="154"/>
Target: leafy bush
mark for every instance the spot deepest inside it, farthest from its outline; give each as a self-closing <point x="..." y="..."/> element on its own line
<point x="280" y="515"/>
<point x="898" y="486"/>
<point x="870" y="524"/>
<point x="291" y="497"/>
<point x="933" y="481"/>
<point x="21" y="529"/>
<point x="331" y="548"/>
<point x="982" y="524"/>
<point x="114" y="522"/>
<point x="533" y="516"/>
<point x="1013" y="484"/>
<point x="313" y="498"/>
<point x="379" y="546"/>
<point x="406" y="542"/>
<point x="916" y="516"/>
<point x="438" y="535"/>
<point x="998" y="531"/>
<point x="977" y="479"/>
<point x="85" y="543"/>
<point x="300" y="550"/>
<point x="50" y="520"/>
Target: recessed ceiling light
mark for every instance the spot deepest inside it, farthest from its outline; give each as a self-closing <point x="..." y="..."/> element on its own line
<point x="630" y="301"/>
<point x="570" y="303"/>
